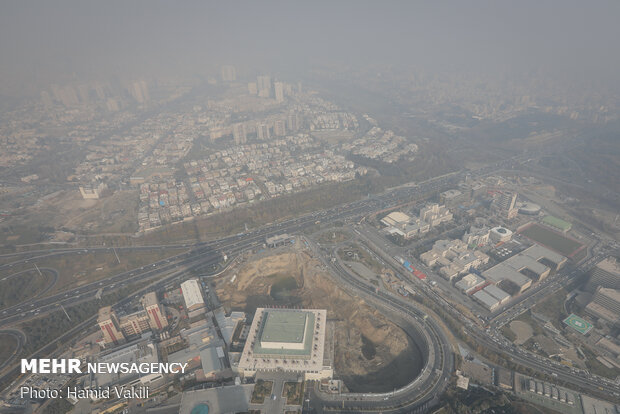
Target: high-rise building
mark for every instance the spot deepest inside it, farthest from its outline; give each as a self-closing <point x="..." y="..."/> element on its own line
<point x="279" y="91"/>
<point x="264" y="86"/>
<point x="109" y="326"/>
<point x="252" y="88"/>
<point x="505" y="204"/>
<point x="262" y="132"/>
<point x="239" y="134"/>
<point x="605" y="305"/>
<point x="279" y="128"/>
<point x="293" y="122"/>
<point x="139" y="91"/>
<point x="229" y="74"/>
<point x="605" y="274"/>
<point x="157" y="320"/>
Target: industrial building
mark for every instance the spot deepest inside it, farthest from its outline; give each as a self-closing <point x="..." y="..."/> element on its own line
<point x="192" y="295"/>
<point x="502" y="274"/>
<point x="486" y="300"/>
<point x="501" y="296"/>
<point x="287" y="340"/>
<point x="545" y="256"/>
<point x="517" y="273"/>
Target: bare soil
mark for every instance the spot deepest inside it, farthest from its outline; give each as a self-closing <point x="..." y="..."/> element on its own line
<point x="371" y="352"/>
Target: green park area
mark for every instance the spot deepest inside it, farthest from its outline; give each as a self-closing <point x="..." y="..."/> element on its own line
<point x="262" y="389"/>
<point x="293" y="391"/>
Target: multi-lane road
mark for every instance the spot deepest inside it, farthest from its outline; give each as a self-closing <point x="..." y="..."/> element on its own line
<point x="493" y="340"/>
<point x="205" y="253"/>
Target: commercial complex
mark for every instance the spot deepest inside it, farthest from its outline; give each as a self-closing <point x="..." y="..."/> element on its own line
<point x="453" y="257"/>
<point x="287" y="340"/>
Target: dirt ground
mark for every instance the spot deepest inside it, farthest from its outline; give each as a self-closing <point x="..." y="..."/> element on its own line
<point x="371" y="353"/>
<point x="522" y="330"/>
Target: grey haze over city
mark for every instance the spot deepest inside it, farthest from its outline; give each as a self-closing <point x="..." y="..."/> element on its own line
<point x="309" y="207"/>
<point x="43" y="42"/>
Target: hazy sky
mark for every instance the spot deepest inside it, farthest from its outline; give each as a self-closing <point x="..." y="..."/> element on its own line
<point x="45" y="40"/>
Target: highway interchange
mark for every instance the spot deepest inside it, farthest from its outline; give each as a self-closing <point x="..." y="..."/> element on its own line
<point x="209" y="253"/>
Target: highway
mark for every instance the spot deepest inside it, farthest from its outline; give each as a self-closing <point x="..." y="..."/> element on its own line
<point x="493" y="340"/>
<point x="205" y="253"/>
<point x="421" y="393"/>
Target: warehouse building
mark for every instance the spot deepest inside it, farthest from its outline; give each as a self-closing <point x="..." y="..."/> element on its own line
<point x="486" y="300"/>
<point x="501" y="296"/>
<point x="192" y="295"/>
<point x="396" y="219"/>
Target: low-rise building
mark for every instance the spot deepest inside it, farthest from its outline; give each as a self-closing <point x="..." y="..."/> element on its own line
<point x="470" y="283"/>
<point x="486" y="300"/>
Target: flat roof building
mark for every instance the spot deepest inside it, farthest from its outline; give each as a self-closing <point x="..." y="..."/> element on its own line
<point x="157" y="318"/>
<point x="469" y="283"/>
<point x="497" y="293"/>
<point x="110" y="327"/>
<point x="396" y="219"/>
<point x="192" y="294"/>
<point x="545" y="256"/>
<point x="502" y="272"/>
<point x="288" y="340"/>
<point x="486" y="300"/>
